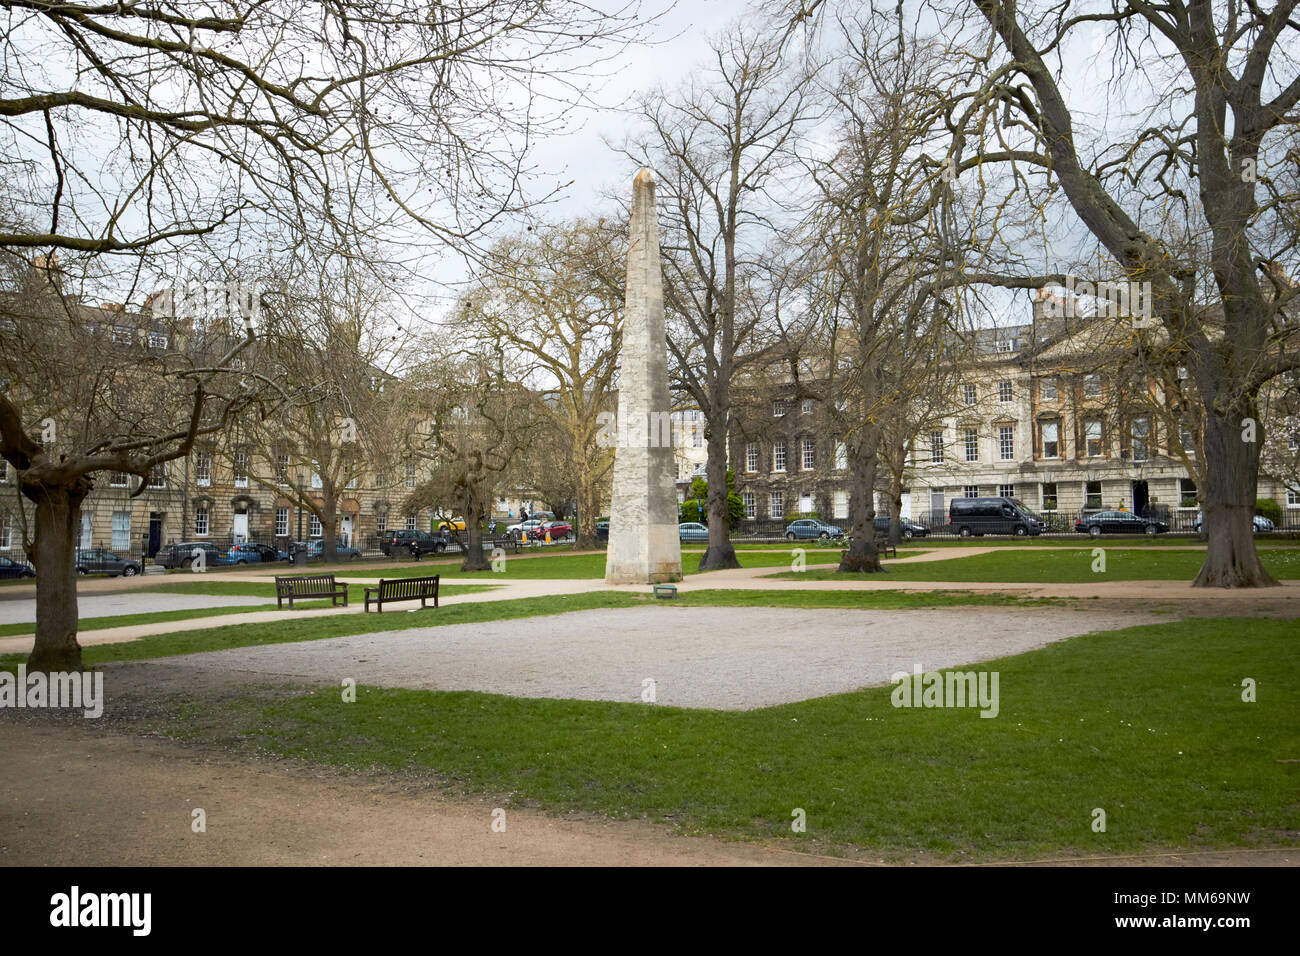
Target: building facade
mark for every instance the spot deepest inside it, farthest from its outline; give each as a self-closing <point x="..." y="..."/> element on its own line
<point x="1032" y="418"/>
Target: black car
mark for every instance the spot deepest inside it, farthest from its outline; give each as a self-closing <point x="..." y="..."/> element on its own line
<point x="1118" y="522"/>
<point x="182" y="555"/>
<point x="103" y="561"/>
<point x="1000" y="515"/>
<point x="9" y="568"/>
<point x="268" y="552"/>
<point x="908" y="527"/>
<point x="395" y="544"/>
<point x="602" y="530"/>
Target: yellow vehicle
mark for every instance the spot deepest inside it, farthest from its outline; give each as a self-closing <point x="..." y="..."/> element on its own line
<point x="457" y="524"/>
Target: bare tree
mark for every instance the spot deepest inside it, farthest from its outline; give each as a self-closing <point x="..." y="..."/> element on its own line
<point x="718" y="145"/>
<point x="100" y="389"/>
<point x="469" y="417"/>
<point x="323" y="120"/>
<point x="138" y="138"/>
<point x="881" y="257"/>
<point x="551" y="299"/>
<point x="332" y="348"/>
<point x="1212" y="153"/>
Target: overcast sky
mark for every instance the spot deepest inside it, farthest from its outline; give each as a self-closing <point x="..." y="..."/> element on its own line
<point x="678" y="45"/>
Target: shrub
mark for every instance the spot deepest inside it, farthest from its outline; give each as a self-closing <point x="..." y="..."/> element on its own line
<point x="1270" y="509"/>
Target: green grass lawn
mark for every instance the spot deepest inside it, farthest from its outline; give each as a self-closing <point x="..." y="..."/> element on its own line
<point x="220" y="588"/>
<point x="591" y="564"/>
<point x="1146" y="723"/>
<point x="1009" y="541"/>
<point x="865" y="600"/>
<point x="586" y="564"/>
<point x="1073" y="565"/>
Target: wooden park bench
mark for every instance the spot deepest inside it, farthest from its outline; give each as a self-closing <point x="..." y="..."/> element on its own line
<point x="402" y="589"/>
<point x="309" y="586"/>
<point x="883" y="547"/>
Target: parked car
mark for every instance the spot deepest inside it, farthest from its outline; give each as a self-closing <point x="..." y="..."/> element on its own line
<point x="268" y="552"/>
<point x="402" y="542"/>
<point x="692" y="531"/>
<point x="316" y="550"/>
<point x="530" y="527"/>
<point x="456" y="524"/>
<point x="181" y="555"/>
<point x="602" y="530"/>
<point x="9" y="568"/>
<point x="534" y="518"/>
<point x="812" y="528"/>
<point x="979" y="516"/>
<point x="103" y="561"/>
<point x="1261" y="524"/>
<point x="241" y="554"/>
<point x="558" y="530"/>
<point x="908" y="527"/>
<point x="1118" y="522"/>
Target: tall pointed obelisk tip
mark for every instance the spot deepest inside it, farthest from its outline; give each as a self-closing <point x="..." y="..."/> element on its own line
<point x="644" y="177"/>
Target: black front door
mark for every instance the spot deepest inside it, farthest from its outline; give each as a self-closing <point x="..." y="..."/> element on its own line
<point x="1140" y="498"/>
<point x="155" y="533"/>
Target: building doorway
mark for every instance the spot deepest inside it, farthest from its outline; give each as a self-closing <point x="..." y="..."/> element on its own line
<point x="937" y="516"/>
<point x="345" y="531"/>
<point x="155" y="532"/>
<point x="1141" y="498"/>
<point x="239" y="529"/>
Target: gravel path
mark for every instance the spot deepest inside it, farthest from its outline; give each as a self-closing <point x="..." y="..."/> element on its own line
<point x="724" y="658"/>
<point x="23" y="611"/>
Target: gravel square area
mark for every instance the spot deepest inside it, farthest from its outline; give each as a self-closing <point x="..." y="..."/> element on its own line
<point x="728" y="658"/>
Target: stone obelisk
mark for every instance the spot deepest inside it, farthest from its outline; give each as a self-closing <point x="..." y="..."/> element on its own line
<point x="644" y="547"/>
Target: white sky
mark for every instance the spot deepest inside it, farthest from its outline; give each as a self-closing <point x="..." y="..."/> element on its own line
<point x="678" y="46"/>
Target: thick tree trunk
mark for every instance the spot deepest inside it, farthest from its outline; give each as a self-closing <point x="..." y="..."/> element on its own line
<point x="1228" y="503"/>
<point x="475" y="559"/>
<point x="720" y="552"/>
<point x="588" y="504"/>
<point x="895" y="508"/>
<point x="861" y="556"/>
<point x="58" y="520"/>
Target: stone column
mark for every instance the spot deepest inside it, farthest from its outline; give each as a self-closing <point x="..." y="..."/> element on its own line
<point x="644" y="547"/>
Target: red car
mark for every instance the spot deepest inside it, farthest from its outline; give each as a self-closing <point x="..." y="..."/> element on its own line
<point x="558" y="530"/>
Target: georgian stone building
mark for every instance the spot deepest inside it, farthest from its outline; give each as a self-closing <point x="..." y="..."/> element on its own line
<point x="1032" y="418"/>
<point x="223" y="491"/>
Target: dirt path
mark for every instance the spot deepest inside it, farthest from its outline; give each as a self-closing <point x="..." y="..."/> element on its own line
<point x="77" y="796"/>
<point x="70" y="797"/>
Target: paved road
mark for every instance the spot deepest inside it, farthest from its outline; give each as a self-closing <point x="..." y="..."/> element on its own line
<point x="23" y="611"/>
